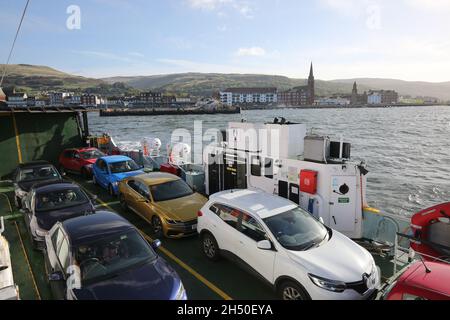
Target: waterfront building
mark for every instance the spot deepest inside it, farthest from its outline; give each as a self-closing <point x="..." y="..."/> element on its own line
<point x="382" y="97"/>
<point x="57" y="98"/>
<point x="332" y="101"/>
<point x="150" y="97"/>
<point x="17" y="99"/>
<point x="300" y="96"/>
<point x="358" y="99"/>
<point x="236" y="96"/>
<point x="90" y="100"/>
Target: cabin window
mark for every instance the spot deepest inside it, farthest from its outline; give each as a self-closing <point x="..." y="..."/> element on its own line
<point x="256" y="166"/>
<point x="268" y="168"/>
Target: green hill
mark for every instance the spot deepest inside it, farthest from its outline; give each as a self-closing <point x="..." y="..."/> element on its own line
<point x="207" y="83"/>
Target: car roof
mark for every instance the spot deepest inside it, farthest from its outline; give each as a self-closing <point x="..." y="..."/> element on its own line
<point x="49" y="186"/>
<point x="113" y="159"/>
<point x="33" y="164"/>
<point x="438" y="280"/>
<point x="86" y="229"/>
<point x="255" y="202"/>
<point x="155" y="178"/>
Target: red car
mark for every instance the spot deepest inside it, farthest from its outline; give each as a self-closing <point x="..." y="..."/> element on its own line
<point x="79" y="161"/>
<point x="420" y="281"/>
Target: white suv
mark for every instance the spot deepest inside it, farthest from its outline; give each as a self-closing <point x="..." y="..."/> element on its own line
<point x="286" y="246"/>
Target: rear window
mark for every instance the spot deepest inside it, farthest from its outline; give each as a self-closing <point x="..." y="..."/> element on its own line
<point x="38" y="173"/>
<point x="60" y="199"/>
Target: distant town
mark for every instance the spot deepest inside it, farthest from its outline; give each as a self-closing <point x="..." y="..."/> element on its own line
<point x="242" y="97"/>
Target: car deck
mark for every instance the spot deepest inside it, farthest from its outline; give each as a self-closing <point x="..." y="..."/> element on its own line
<point x="203" y="279"/>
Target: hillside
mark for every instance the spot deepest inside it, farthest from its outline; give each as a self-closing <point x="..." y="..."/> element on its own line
<point x="207" y="83"/>
<point x="439" y="90"/>
<point x="43" y="78"/>
<point x="40" y="78"/>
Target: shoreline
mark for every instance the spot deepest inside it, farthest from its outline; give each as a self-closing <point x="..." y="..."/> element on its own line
<point x="342" y="107"/>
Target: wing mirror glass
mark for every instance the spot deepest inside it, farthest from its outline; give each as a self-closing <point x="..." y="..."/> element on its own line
<point x="156" y="244"/>
<point x="56" y="276"/>
<point x="265" y="245"/>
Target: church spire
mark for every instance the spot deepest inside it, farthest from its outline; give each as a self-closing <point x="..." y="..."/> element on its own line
<point x="311" y="72"/>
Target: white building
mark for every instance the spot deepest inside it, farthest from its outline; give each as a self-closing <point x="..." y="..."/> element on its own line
<point x="374" y="97"/>
<point x="332" y="101"/>
<point x="17" y="100"/>
<point x="234" y="96"/>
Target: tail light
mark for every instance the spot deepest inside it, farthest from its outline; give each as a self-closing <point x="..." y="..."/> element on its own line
<point x="200" y="214"/>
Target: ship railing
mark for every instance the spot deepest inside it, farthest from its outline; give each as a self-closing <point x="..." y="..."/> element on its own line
<point x="405" y="256"/>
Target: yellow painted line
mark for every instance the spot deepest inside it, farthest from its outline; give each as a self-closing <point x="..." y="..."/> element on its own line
<point x="169" y="254"/>
<point x="190" y="270"/>
<point x="373" y="210"/>
<point x="28" y="262"/>
<point x="16" y="131"/>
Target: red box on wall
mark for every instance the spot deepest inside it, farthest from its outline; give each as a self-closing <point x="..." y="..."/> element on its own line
<point x="168" y="168"/>
<point x="308" y="181"/>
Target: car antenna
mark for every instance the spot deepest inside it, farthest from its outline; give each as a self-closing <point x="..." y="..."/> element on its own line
<point x="427" y="270"/>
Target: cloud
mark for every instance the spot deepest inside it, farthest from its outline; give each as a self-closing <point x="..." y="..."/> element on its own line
<point x="251" y="52"/>
<point x="432" y="5"/>
<point x="240" y="6"/>
<point x="103" y="55"/>
<point x="136" y="54"/>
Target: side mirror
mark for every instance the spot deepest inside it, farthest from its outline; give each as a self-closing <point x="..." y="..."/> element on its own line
<point x="94" y="197"/>
<point x="156" y="244"/>
<point x="264" y="245"/>
<point x="56" y="276"/>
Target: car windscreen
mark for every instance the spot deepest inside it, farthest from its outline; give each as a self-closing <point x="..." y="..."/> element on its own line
<point x="109" y="256"/>
<point x="170" y="190"/>
<point x="91" y="154"/>
<point x="123" y="166"/>
<point x="297" y="230"/>
<point x="60" y="199"/>
<point x="38" y="173"/>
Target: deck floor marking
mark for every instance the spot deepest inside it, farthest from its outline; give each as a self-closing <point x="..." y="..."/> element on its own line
<point x="169" y="254"/>
<point x="28" y="262"/>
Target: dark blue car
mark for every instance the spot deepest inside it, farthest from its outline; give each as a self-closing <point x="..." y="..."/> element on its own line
<point x="104" y="257"/>
<point x="50" y="202"/>
<point x="109" y="171"/>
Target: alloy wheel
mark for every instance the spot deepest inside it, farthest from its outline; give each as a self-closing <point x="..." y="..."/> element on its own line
<point x="290" y="293"/>
<point x="157" y="225"/>
<point x="209" y="247"/>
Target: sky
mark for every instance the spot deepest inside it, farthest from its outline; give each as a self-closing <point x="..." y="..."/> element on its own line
<point x="401" y="39"/>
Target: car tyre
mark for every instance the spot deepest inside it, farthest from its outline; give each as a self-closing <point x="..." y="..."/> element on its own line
<point x="290" y="290"/>
<point x="111" y="191"/>
<point x="210" y="247"/>
<point x="123" y="203"/>
<point x="18" y="202"/>
<point x="157" y="226"/>
<point x="85" y="173"/>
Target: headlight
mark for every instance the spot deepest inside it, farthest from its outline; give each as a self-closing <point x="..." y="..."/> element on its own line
<point x="20" y="193"/>
<point x="41" y="233"/>
<point x="181" y="293"/>
<point x="173" y="221"/>
<point x="330" y="285"/>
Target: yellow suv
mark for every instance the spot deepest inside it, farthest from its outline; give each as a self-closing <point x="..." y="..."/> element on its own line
<point x="165" y="201"/>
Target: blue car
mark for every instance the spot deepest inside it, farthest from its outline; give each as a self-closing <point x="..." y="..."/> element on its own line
<point x="109" y="171"/>
<point x="104" y="257"/>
